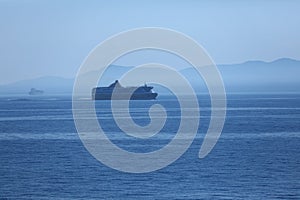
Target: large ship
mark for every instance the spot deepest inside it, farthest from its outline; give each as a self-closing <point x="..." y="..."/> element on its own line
<point x="123" y="93"/>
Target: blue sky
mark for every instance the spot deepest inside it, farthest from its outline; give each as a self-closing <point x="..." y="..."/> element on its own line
<point x="53" y="37"/>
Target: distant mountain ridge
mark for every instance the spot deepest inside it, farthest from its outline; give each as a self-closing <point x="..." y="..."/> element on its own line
<point x="281" y="75"/>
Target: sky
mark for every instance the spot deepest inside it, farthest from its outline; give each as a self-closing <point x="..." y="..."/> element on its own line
<point x="53" y="37"/>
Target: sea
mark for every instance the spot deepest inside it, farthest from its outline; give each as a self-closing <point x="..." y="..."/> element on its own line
<point x="256" y="157"/>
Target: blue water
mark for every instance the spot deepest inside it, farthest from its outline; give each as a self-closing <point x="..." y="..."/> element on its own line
<point x="257" y="156"/>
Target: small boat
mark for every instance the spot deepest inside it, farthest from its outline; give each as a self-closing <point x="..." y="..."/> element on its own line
<point x="34" y="91"/>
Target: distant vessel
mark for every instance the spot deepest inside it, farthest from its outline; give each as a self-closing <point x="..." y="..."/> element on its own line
<point x="34" y="91"/>
<point x="122" y="93"/>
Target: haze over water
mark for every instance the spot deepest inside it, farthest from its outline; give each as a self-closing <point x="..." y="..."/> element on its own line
<point x="255" y="45"/>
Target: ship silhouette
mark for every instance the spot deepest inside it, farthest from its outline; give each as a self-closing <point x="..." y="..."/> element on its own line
<point x="34" y="91"/>
<point x="123" y="93"/>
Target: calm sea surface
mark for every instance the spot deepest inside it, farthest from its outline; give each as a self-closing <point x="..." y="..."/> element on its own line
<point x="256" y="157"/>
